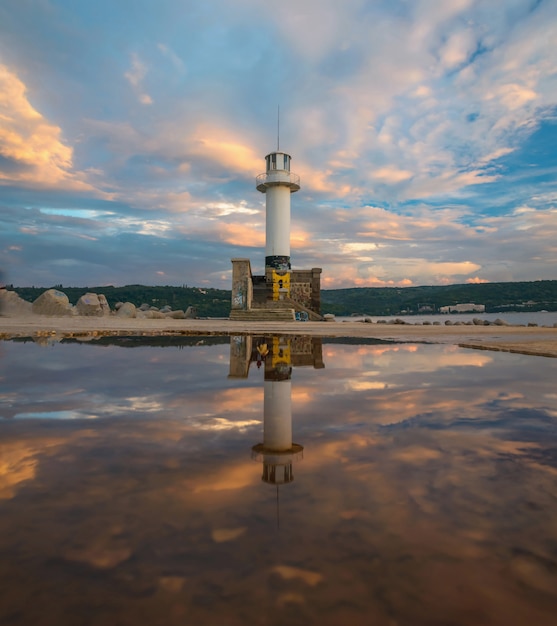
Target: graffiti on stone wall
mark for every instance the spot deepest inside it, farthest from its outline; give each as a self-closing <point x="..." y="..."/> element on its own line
<point x="238" y="300"/>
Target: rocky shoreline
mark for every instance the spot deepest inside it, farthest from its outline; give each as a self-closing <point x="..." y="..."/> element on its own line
<point x="52" y="318"/>
<point x="535" y="340"/>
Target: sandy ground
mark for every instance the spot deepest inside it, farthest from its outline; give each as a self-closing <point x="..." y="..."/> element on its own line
<point x="540" y="341"/>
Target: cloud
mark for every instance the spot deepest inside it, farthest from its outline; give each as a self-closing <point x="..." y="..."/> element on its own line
<point x="172" y="56"/>
<point x="391" y="174"/>
<point x="458" y="48"/>
<point x="476" y="280"/>
<point x="135" y="76"/>
<point x="417" y="135"/>
<point x="32" y="152"/>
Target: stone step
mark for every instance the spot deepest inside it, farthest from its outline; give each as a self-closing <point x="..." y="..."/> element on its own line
<point x="263" y="315"/>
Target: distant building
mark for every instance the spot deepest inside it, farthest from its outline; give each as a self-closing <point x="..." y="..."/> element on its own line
<point x="469" y="307"/>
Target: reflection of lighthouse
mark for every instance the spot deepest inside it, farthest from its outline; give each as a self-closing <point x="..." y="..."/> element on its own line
<point x="278" y="182"/>
<point x="277" y="450"/>
<point x="278" y="355"/>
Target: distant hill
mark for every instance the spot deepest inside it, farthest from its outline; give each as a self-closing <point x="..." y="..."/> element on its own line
<point x="497" y="297"/>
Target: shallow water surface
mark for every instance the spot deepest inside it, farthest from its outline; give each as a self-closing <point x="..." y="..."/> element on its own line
<point x="268" y="481"/>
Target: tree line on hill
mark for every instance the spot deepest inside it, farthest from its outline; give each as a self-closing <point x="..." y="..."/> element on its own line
<point x="497" y="297"/>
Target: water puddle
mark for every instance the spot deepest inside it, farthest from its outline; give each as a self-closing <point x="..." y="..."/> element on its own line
<point x="273" y="481"/>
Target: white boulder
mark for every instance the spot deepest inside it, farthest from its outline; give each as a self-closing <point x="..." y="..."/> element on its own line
<point x="12" y="305"/>
<point x="127" y="310"/>
<point x="92" y="304"/>
<point x="52" y="302"/>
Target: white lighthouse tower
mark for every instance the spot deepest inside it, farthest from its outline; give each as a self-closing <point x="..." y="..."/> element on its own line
<point x="278" y="182"/>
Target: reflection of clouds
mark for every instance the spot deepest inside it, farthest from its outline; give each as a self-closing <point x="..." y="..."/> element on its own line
<point x="143" y="404"/>
<point x="19" y="459"/>
<point x="427" y="517"/>
<point x="17" y="464"/>
<point x="103" y="552"/>
<point x="411" y="504"/>
<point x="231" y="477"/>
<point x="220" y="423"/>
<point x="236" y="400"/>
<point x="289" y="573"/>
<point x="451" y="356"/>
<point x="366" y="385"/>
<point x="531" y="571"/>
<point x="416" y="454"/>
<point x="383" y="358"/>
<point x="340" y="450"/>
<point x="221" y="535"/>
<point x="433" y="384"/>
<point x="301" y="395"/>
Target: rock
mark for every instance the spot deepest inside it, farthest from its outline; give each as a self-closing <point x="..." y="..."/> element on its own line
<point x="426" y="323"/>
<point x="52" y="302"/>
<point x="154" y="315"/>
<point x="367" y="320"/>
<point x="399" y="321"/>
<point x="191" y="313"/>
<point x="90" y="305"/>
<point x="448" y="323"/>
<point x="104" y="304"/>
<point x="166" y="309"/>
<point x="477" y="321"/>
<point x="328" y="317"/>
<point x="144" y="307"/>
<point x="437" y="323"/>
<point x="118" y="305"/>
<point x="500" y="322"/>
<point x="176" y="315"/>
<point x="532" y="325"/>
<point x="12" y="305"/>
<point x="127" y="310"/>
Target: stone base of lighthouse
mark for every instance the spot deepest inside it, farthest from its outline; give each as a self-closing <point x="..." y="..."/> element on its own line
<point x="254" y="297"/>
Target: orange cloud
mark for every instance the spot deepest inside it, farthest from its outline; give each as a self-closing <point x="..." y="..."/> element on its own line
<point x="391" y="174"/>
<point x="321" y="181"/>
<point x="220" y="145"/>
<point x="241" y="234"/>
<point x="476" y="280"/>
<point x="31" y="143"/>
<point x="345" y="276"/>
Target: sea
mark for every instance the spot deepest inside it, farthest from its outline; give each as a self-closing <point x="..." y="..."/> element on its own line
<point x="541" y="318"/>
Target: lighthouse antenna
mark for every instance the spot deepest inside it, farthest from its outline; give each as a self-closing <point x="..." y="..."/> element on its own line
<point x="278" y="128"/>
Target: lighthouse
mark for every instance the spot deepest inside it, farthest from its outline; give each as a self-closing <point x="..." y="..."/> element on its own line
<point x="281" y="293"/>
<point x="277" y="183"/>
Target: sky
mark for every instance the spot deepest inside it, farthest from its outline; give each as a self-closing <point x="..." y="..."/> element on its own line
<point x="423" y="131"/>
